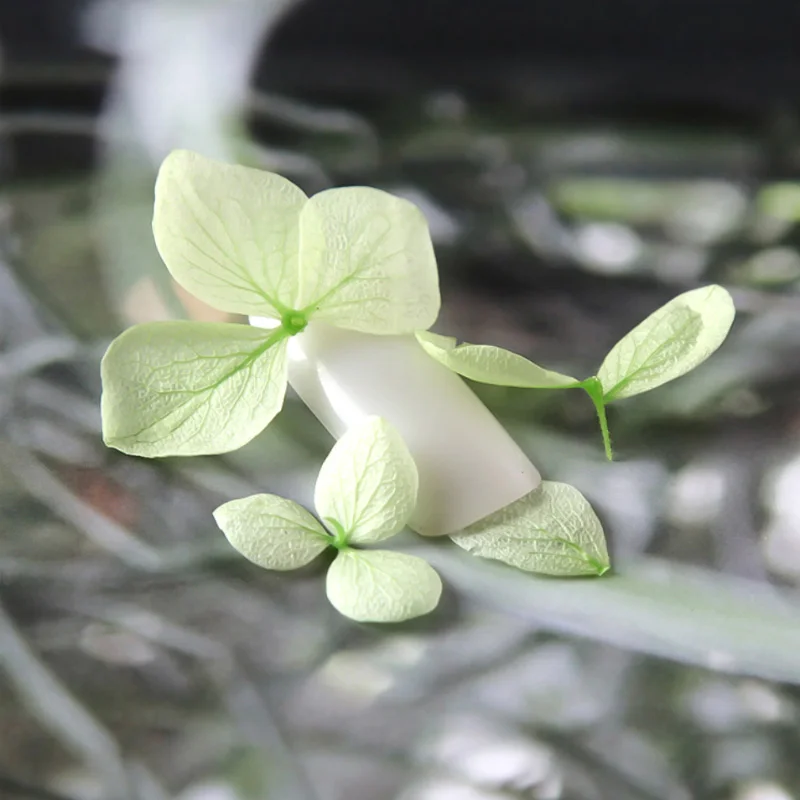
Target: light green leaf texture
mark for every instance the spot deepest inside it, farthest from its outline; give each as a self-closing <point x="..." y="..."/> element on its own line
<point x="368" y="483"/>
<point x="190" y="388"/>
<point x="367" y="262"/>
<point x="382" y="586"/>
<point x="669" y="343"/>
<point x="229" y="234"/>
<point x="271" y="531"/>
<point x="489" y="364"/>
<point x="552" y="530"/>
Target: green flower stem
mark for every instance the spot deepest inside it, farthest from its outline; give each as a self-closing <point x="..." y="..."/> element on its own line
<point x="594" y="389"/>
<point x="293" y="322"/>
<point x="341" y="541"/>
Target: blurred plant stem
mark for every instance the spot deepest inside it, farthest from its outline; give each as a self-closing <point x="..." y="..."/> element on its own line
<point x="660" y="608"/>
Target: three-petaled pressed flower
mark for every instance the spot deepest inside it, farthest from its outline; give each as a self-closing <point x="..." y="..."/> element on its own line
<point x="365" y="493"/>
<point x="251" y="242"/>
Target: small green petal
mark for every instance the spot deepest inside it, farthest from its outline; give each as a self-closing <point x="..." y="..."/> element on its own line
<point x="367" y="262"/>
<point x="669" y="343"/>
<point x="553" y="531"/>
<point x="486" y="363"/>
<point x="229" y="234"/>
<point x="368" y="483"/>
<point x="271" y="531"/>
<point x="190" y="388"/>
<point x="382" y="586"/>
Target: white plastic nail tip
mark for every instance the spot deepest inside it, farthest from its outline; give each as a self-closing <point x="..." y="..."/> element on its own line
<point x="469" y="467"/>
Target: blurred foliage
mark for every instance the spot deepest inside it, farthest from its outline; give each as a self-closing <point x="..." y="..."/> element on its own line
<point x="145" y="659"/>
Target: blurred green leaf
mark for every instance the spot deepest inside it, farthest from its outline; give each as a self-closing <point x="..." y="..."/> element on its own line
<point x="781" y="200"/>
<point x="629" y="200"/>
<point x="660" y="608"/>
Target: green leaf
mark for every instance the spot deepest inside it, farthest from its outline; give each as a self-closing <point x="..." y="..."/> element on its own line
<point x="368" y="483"/>
<point x="781" y="200"/>
<point x="669" y="343"/>
<point x="271" y="531"/>
<point x="488" y="364"/>
<point x="552" y="530"/>
<point x="382" y="586"/>
<point x="367" y="262"/>
<point x="191" y="388"/>
<point x="229" y="234"/>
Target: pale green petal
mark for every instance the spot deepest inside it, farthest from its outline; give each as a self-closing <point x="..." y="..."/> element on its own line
<point x="367" y="262"/>
<point x="229" y="234"/>
<point x="669" y="343"/>
<point x="485" y="363"/>
<point x="271" y="531"/>
<point x="190" y="388"/>
<point x="368" y="483"/>
<point x="382" y="586"/>
<point x="553" y="531"/>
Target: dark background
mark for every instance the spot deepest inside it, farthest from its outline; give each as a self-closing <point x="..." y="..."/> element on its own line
<point x="660" y="57"/>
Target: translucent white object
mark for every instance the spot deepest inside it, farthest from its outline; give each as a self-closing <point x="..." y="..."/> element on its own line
<point x="469" y="467"/>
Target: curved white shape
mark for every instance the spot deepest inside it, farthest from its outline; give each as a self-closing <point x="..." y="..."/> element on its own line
<point x="164" y="95"/>
<point x="469" y="467"/>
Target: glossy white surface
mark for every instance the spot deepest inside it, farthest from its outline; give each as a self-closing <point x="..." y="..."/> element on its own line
<point x="468" y="465"/>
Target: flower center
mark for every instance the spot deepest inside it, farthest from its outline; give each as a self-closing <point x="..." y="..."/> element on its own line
<point x="294" y="322"/>
<point x="339" y="540"/>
